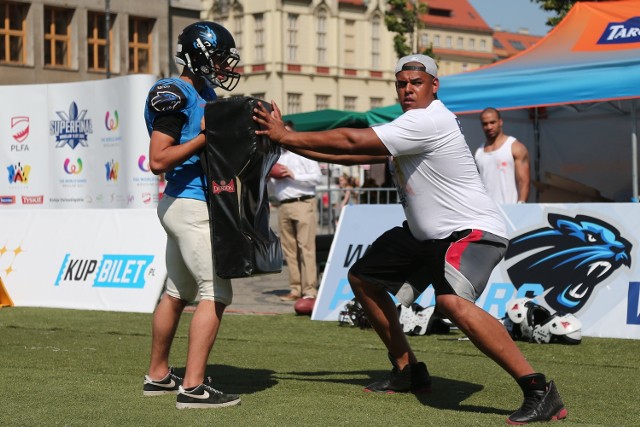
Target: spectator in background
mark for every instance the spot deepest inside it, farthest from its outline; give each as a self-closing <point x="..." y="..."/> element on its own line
<point x="294" y="181"/>
<point x="348" y="194"/>
<point x="369" y="195"/>
<point x="503" y="161"/>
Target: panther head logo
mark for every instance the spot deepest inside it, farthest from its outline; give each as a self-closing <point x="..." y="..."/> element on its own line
<point x="165" y="101"/>
<point x="569" y="258"/>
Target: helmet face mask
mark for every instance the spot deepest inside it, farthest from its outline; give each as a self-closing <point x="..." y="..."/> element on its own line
<point x="208" y="50"/>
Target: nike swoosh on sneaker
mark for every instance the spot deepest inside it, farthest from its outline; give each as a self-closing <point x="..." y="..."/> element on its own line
<point x="203" y="396"/>
<point x="170" y="384"/>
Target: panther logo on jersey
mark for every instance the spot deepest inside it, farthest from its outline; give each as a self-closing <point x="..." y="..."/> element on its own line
<point x="569" y="258"/>
<point x="165" y="101"/>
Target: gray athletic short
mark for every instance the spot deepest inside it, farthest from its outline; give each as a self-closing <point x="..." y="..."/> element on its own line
<point x="460" y="264"/>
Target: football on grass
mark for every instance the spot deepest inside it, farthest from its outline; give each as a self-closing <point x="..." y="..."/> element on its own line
<point x="304" y="306"/>
<point x="278" y="171"/>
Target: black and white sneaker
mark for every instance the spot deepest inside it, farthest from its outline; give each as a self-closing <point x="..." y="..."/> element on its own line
<point x="204" y="396"/>
<point x="538" y="406"/>
<point x="168" y="385"/>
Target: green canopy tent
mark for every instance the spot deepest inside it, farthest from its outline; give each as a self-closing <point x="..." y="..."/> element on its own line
<point x="327" y="119"/>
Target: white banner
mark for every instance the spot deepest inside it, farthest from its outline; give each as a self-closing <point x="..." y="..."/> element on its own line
<point x="98" y="259"/>
<point x="574" y="258"/>
<point x="76" y="145"/>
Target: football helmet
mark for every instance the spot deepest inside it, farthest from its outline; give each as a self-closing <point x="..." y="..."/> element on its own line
<point x="209" y="51"/>
<point x="353" y="315"/>
<point x="532" y="322"/>
<point x="418" y="320"/>
<point x="559" y="327"/>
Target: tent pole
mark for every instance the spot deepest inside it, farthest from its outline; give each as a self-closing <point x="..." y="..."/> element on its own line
<point x="536" y="143"/>
<point x="634" y="152"/>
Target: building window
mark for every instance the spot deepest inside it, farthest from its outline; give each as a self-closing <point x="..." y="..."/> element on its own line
<point x="321" y="34"/>
<point x="497" y="44"/>
<point x="259" y="95"/>
<point x="483" y="45"/>
<point x="97" y="41"/>
<point x="517" y="44"/>
<point x="375" y="102"/>
<point x="447" y="13"/>
<point x="465" y="66"/>
<point x="448" y="42"/>
<point x="349" y="42"/>
<point x="238" y="24"/>
<point x="350" y="103"/>
<point x="140" y="44"/>
<point x="436" y="41"/>
<point x="294" y="103"/>
<point x="460" y="43"/>
<point x="376" y="24"/>
<point x="13" y="33"/>
<point x="258" y="20"/>
<point x="472" y="44"/>
<point x="322" y="102"/>
<point x="57" y="37"/>
<point x="424" y="40"/>
<point x="292" y="37"/>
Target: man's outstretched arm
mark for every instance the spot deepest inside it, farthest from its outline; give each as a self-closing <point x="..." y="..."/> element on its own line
<point x="342" y="145"/>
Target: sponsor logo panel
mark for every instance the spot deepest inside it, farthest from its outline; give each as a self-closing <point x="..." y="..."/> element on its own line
<point x="125" y="271"/>
<point x="72" y="129"/>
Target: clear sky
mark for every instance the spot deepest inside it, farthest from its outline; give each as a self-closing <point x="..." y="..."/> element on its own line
<point x="511" y="15"/>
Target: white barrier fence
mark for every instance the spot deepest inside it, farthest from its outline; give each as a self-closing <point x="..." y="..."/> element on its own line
<point x="113" y="259"/>
<point x="599" y="281"/>
<point x="96" y="259"/>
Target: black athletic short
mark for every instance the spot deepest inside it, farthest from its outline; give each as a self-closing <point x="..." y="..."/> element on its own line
<point x="460" y="264"/>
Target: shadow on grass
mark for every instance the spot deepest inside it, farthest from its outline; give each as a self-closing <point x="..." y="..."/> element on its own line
<point x="277" y="292"/>
<point x="232" y="379"/>
<point x="446" y="393"/>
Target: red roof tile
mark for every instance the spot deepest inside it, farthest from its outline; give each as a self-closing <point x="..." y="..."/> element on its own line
<point x="506" y="44"/>
<point x="458" y="14"/>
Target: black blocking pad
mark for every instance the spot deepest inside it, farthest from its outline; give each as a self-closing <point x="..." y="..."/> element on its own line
<point x="236" y="163"/>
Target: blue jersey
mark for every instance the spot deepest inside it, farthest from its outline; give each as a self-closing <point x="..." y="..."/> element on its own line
<point x="175" y="96"/>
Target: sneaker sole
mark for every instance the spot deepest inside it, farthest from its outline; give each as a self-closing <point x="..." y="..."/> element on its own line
<point x="180" y="405"/>
<point x="560" y="415"/>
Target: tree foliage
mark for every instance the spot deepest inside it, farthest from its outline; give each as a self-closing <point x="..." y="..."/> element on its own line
<point x="403" y="18"/>
<point x="560" y="7"/>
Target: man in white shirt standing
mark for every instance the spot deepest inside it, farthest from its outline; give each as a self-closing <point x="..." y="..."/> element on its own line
<point x="294" y="181"/>
<point x="503" y="161"/>
<point x="453" y="238"/>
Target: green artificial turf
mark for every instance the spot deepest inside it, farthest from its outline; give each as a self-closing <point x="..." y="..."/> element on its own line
<point x="79" y="368"/>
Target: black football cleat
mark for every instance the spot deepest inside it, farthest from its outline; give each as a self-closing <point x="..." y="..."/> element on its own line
<point x="539" y="406"/>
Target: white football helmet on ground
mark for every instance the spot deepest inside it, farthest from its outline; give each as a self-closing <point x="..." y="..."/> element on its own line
<point x="418" y="320"/>
<point x="532" y="322"/>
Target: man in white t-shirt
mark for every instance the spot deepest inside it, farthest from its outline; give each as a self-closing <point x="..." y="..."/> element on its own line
<point x="503" y="161"/>
<point x="453" y="238"/>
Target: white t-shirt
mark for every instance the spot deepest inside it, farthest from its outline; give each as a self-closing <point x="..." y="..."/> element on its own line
<point x="436" y="176"/>
<point x="498" y="172"/>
